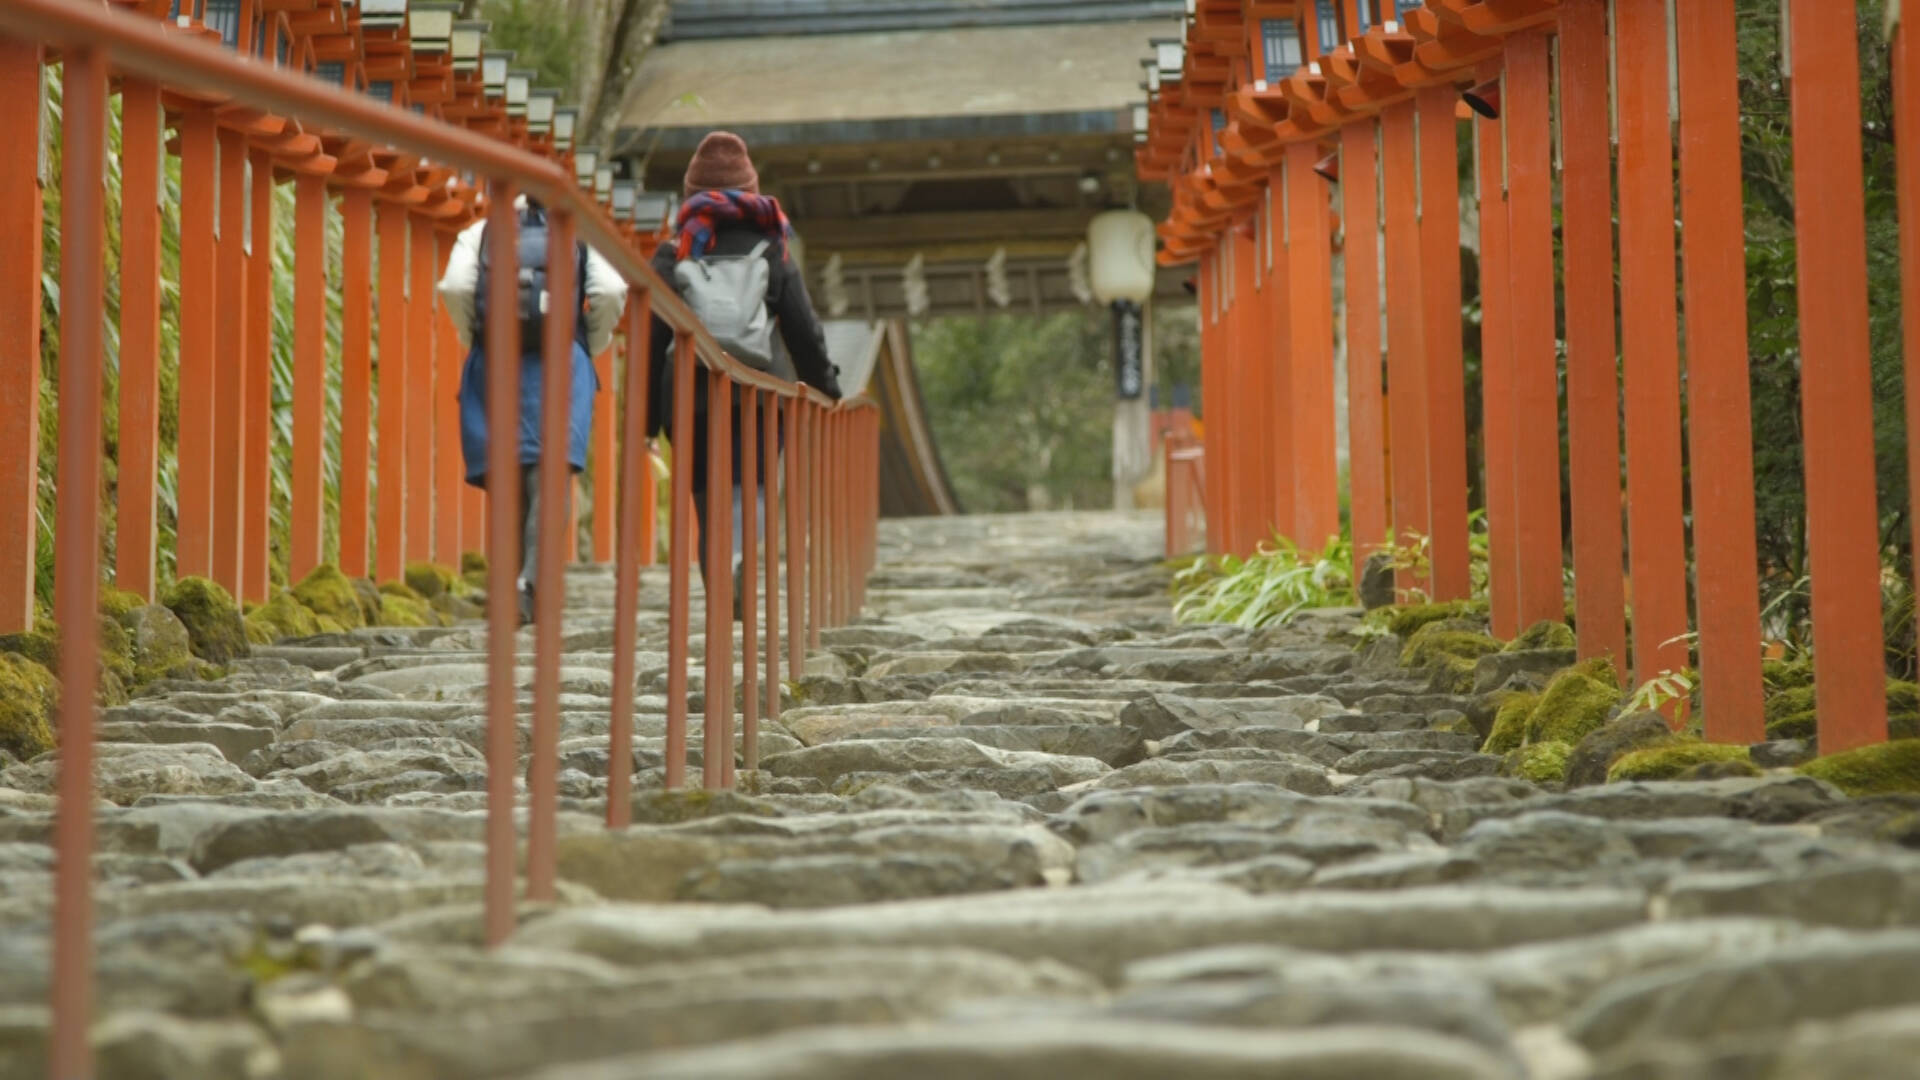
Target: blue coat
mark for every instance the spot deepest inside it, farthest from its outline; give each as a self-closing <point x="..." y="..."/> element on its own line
<point x="473" y="411"/>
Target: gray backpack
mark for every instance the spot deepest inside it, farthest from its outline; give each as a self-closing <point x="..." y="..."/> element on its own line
<point x="729" y="294"/>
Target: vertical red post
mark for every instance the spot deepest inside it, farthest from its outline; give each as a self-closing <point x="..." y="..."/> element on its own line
<point x="1316" y="443"/>
<point x="309" y="376"/>
<point x="230" y="366"/>
<point x="199" y="175"/>
<point x="390" y="522"/>
<point x="141" y="135"/>
<point x="770" y="476"/>
<point x="356" y="380"/>
<point x="1593" y="398"/>
<point x="549" y="591"/>
<point x="1499" y="420"/>
<point x="20" y="233"/>
<point x="1836" y="381"/>
<point x="1536" y="361"/>
<point x="420" y="411"/>
<point x="716" y="747"/>
<point x="1275" y="440"/>
<point x="503" y="547"/>
<point x="749" y="600"/>
<point x="634" y="475"/>
<point x="1406" y="331"/>
<point x="1720" y="418"/>
<point x="1366" y="457"/>
<point x="1207" y="291"/>
<point x="1906" y="122"/>
<point x="798" y="464"/>
<point x="1649" y="325"/>
<point x="449" y="484"/>
<point x="77" y="544"/>
<point x="257" y="473"/>
<point x="680" y="561"/>
<point x="1267" y="313"/>
<point x="819" y="513"/>
<point x="603" y="467"/>
<point x="1445" y="385"/>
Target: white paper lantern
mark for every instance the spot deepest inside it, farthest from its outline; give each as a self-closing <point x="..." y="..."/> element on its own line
<point x="1121" y="245"/>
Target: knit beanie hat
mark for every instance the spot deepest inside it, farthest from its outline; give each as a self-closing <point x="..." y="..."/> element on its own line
<point x="721" y="164"/>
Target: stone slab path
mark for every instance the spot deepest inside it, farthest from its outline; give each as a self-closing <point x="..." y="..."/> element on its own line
<point x="1013" y="824"/>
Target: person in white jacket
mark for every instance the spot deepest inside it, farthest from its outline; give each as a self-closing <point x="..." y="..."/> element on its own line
<point x="601" y="295"/>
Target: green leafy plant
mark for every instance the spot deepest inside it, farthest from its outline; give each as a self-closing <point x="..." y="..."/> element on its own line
<point x="1272" y="586"/>
<point x="1669" y="688"/>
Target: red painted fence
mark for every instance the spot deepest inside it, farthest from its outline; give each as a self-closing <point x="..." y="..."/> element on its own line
<point x="299" y="124"/>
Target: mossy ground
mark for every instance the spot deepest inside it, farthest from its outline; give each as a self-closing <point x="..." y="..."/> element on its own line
<point x="473" y="569"/>
<point x="1405" y="620"/>
<point x="213" y="621"/>
<point x="1674" y="759"/>
<point x="330" y="594"/>
<point x="1543" y="635"/>
<point x="280" y="618"/>
<point x="1575" y="704"/>
<point x="402" y="590"/>
<point x="1450" y="652"/>
<point x="1510" y="723"/>
<point x="431" y="580"/>
<point x="1542" y="763"/>
<point x="403" y="611"/>
<point x="28" y="695"/>
<point x="1890" y="768"/>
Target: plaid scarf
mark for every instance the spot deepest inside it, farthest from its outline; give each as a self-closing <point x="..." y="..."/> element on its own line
<point x="702" y="215"/>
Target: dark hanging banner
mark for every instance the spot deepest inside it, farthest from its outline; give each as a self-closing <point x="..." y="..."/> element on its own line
<point x="1129" y="350"/>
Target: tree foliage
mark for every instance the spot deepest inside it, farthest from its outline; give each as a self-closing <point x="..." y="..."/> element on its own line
<point x="590" y="48"/>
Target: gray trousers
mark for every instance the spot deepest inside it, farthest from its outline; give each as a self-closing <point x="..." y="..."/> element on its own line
<point x="530" y="532"/>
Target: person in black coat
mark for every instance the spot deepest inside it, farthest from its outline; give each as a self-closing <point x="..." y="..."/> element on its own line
<point x="724" y="214"/>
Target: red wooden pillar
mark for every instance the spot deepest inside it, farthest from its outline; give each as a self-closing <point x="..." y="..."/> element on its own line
<point x="422" y="364"/>
<point x="1366" y="456"/>
<point x="199" y="174"/>
<point x="1593" y="397"/>
<point x="1906" y="97"/>
<point x="135" y="533"/>
<point x="680" y="562"/>
<point x="1406" y="331"/>
<point x="308" y="517"/>
<point x="603" y="461"/>
<point x="1720" y="418"/>
<point x="1253" y="409"/>
<point x="794" y="417"/>
<point x="1263" y="379"/>
<point x="1445" y="384"/>
<point x="233" y="313"/>
<point x="390" y="530"/>
<point x="356" y="378"/>
<point x="20" y="202"/>
<point x="1536" y="362"/>
<point x="449" y="470"/>
<point x="1316" y="457"/>
<point x="1499" y="419"/>
<point x="716" y="744"/>
<point x="1207" y="292"/>
<point x="1836" y="381"/>
<point x="1233" y="456"/>
<point x="1649" y="324"/>
<point x="257" y="481"/>
<point x="1278" y="394"/>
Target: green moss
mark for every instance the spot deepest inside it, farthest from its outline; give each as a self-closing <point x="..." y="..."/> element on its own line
<point x="1542" y="763"/>
<point x="1599" y="669"/>
<point x="402" y="611"/>
<point x="473" y="569"/>
<point x="212" y="619"/>
<point x="28" y="695"/>
<point x="116" y="603"/>
<point x="1434" y="642"/>
<point x="1890" y="768"/>
<point x="159" y="645"/>
<point x="368" y="594"/>
<point x="1510" y="723"/>
<point x="1406" y="620"/>
<point x="1786" y="674"/>
<point x="1673" y="759"/>
<point x="280" y="618"/>
<point x="402" y="590"/>
<point x="117" y="669"/>
<point x="330" y="594"/>
<point x="432" y="579"/>
<point x="40" y="644"/>
<point x="1546" y="634"/>
<point x="1573" y="705"/>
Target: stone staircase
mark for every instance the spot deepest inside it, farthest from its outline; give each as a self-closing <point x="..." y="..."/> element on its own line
<point x="1013" y="823"/>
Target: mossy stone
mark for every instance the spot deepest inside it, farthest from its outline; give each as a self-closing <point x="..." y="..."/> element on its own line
<point x="1673" y="759"/>
<point x="473" y="569"/>
<point x="40" y="644"/>
<point x="1786" y="674"/>
<point x="431" y="580"/>
<point x="213" y="622"/>
<point x="1574" y="705"/>
<point x="1889" y="768"/>
<point x="1595" y="754"/>
<point x="29" y="693"/>
<point x="327" y="592"/>
<point x="1435" y="641"/>
<point x="116" y="603"/>
<point x="1542" y="763"/>
<point x="161" y="648"/>
<point x="1789" y="713"/>
<point x="1599" y="669"/>
<point x="403" y="611"/>
<point x="402" y="590"/>
<point x="1510" y="723"/>
<point x="1545" y="634"/>
<point x="280" y="618"/>
<point x="1406" y="620"/>
<point x="369" y="596"/>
